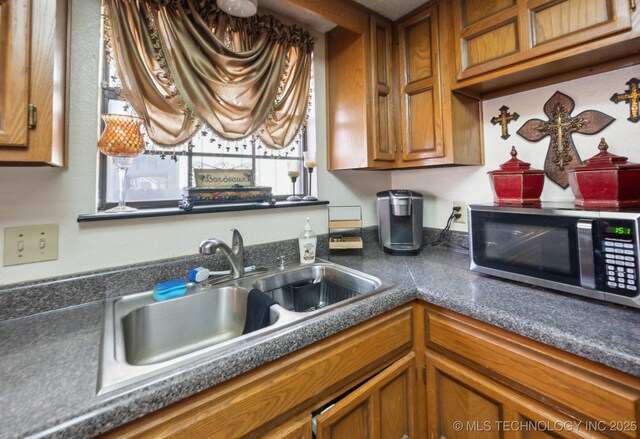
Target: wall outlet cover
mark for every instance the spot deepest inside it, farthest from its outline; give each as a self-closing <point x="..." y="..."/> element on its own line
<point x="462" y="212"/>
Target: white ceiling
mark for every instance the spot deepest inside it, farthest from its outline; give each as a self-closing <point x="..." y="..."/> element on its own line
<point x="392" y="9"/>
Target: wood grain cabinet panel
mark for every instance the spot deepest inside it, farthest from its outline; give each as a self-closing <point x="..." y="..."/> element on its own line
<point x="297" y="428"/>
<point x="33" y="49"/>
<point x="14" y="81"/>
<point x="502" y="43"/>
<point x="347" y="114"/>
<point x="382" y="408"/>
<point x="472" y="11"/>
<point x="420" y="104"/>
<point x="493" y="44"/>
<point x="463" y="403"/>
<point x="577" y="21"/>
<point x="384" y="143"/>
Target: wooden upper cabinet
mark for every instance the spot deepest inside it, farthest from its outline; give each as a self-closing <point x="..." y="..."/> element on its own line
<point x="384" y="143"/>
<point x="14" y="91"/>
<point x="33" y="50"/>
<point x="493" y="34"/>
<point x="382" y="408"/>
<point x="361" y="93"/>
<point x="419" y="88"/>
<point x="390" y="98"/>
<point x="348" y="112"/>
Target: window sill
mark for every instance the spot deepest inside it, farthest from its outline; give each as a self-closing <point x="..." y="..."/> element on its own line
<point x="176" y="211"/>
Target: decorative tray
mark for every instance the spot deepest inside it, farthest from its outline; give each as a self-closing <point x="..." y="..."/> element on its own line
<point x="195" y="196"/>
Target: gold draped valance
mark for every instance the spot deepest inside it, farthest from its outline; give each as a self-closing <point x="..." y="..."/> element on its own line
<point x="184" y="63"/>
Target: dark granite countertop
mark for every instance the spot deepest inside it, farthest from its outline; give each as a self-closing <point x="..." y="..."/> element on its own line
<point x="49" y="361"/>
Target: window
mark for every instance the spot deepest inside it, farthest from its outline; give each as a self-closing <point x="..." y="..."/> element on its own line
<point x="157" y="177"/>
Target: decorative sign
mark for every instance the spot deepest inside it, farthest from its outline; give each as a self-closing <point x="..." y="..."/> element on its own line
<point x="562" y="154"/>
<point x="223" y="178"/>
<point x="503" y="119"/>
<point x="631" y="96"/>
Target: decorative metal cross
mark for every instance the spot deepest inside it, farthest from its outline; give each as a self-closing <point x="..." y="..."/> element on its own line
<point x="503" y="119"/>
<point x="631" y="96"/>
<point x="562" y="154"/>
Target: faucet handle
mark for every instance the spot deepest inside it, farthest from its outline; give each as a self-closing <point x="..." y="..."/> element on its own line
<point x="282" y="262"/>
<point x="236" y="239"/>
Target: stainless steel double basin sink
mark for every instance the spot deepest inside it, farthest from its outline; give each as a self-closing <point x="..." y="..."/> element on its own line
<point x="144" y="338"/>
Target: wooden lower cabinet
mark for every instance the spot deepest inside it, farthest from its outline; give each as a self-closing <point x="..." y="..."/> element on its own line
<point x="382" y="408"/>
<point x="483" y="381"/>
<point x="263" y="400"/>
<point x="419" y="371"/>
<point x="465" y="404"/>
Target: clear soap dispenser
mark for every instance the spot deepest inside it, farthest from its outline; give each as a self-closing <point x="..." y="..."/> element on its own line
<point x="307" y="242"/>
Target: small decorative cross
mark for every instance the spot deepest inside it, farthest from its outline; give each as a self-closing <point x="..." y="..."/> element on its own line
<point x="631" y="96"/>
<point x="503" y="119"/>
<point x="562" y="154"/>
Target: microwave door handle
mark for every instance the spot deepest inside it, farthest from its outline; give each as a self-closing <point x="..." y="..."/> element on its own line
<point x="585" y="253"/>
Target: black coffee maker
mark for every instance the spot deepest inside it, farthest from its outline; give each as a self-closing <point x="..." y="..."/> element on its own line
<point x="400" y="221"/>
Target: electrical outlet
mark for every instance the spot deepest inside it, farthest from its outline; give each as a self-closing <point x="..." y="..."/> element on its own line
<point x="24" y="245"/>
<point x="463" y="212"/>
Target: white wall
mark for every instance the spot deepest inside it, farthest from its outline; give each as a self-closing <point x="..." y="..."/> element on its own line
<point x="442" y="186"/>
<point x="31" y="196"/>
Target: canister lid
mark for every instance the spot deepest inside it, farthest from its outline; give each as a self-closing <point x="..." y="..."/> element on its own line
<point x="605" y="160"/>
<point x="515" y="166"/>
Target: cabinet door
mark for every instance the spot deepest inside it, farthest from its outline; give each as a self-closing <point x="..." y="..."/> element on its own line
<point x="420" y="105"/>
<point x="14" y="91"/>
<point x="384" y="144"/>
<point x="559" y="24"/>
<point x="383" y="407"/>
<point x="461" y="403"/>
<point x="494" y="34"/>
<point x="33" y="48"/>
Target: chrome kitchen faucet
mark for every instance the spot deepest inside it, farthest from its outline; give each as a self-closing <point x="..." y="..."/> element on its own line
<point x="235" y="254"/>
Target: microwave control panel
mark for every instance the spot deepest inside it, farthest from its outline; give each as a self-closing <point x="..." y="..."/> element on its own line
<point x="619" y="257"/>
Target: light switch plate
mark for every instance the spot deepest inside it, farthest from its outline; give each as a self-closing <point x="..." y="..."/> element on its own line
<point x="24" y="245"/>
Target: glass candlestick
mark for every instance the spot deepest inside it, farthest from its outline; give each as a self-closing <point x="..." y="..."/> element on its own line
<point x="310" y="163"/>
<point x="293" y="171"/>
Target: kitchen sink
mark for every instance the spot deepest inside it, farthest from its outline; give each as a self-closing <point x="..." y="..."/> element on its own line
<point x="309" y="288"/>
<point x="156" y="332"/>
<point x="143" y="338"/>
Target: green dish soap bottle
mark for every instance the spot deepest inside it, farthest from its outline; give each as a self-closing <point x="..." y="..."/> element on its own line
<point x="307" y="243"/>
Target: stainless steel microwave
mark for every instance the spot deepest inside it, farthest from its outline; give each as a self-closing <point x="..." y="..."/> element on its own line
<point x="592" y="253"/>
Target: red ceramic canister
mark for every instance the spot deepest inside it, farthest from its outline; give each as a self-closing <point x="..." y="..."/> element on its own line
<point x="606" y="180"/>
<point x="516" y="183"/>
